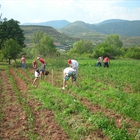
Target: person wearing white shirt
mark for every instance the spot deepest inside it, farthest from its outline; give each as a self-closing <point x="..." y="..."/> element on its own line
<point x="99" y="61"/>
<point x="68" y="73"/>
<point x="73" y="64"/>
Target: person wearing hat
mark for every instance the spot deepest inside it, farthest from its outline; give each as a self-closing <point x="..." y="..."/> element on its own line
<point x="42" y="61"/>
<point x="73" y="64"/>
<point x="67" y="74"/>
<point x="39" y="73"/>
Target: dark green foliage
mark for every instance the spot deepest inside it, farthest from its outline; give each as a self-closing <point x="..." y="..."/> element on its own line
<point x="43" y="44"/>
<point x="103" y="49"/>
<point x="114" y="41"/>
<point x="81" y="47"/>
<point x="10" y="29"/>
<point x="111" y="47"/>
<point x="11" y="49"/>
<point x="133" y="52"/>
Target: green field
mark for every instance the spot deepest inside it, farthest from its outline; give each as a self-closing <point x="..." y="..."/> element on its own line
<point x="104" y="105"/>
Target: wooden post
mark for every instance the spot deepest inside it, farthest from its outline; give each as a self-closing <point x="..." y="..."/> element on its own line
<point x="52" y="76"/>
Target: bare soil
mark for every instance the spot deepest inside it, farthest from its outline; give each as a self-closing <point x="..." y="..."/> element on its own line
<point x="15" y="125"/>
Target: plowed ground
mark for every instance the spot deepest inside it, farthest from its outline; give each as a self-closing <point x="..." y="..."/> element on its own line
<point x="15" y="123"/>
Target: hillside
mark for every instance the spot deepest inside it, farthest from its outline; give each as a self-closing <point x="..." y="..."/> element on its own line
<point x="77" y="28"/>
<point x="129" y="31"/>
<point x="58" y="37"/>
<point x="120" y="27"/>
<point x="124" y="28"/>
<point x="111" y="26"/>
<point x="111" y="21"/>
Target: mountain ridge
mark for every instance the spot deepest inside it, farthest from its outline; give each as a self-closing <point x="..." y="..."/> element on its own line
<point x="53" y="23"/>
<point x="111" y="26"/>
<point x="128" y="31"/>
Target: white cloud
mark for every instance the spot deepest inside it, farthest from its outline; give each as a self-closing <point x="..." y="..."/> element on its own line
<point x="89" y="11"/>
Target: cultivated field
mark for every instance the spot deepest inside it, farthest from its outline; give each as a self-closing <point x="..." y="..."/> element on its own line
<point x="105" y="105"/>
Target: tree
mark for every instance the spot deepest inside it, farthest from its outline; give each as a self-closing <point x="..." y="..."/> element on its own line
<point x="11" y="49"/>
<point x="133" y="52"/>
<point x="11" y="29"/>
<point x="114" y="41"/>
<point x="110" y="47"/>
<point x="103" y="49"/>
<point x="43" y="44"/>
<point x="81" y="47"/>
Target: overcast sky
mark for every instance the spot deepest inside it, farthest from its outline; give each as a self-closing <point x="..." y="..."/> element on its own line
<point x="89" y="11"/>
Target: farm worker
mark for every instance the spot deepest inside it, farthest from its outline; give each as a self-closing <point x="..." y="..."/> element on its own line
<point x="39" y="73"/>
<point x="42" y="61"/>
<point x="73" y="64"/>
<point x="23" y="62"/>
<point x="106" y="62"/>
<point x="67" y="73"/>
<point x="34" y="63"/>
<point x="99" y="62"/>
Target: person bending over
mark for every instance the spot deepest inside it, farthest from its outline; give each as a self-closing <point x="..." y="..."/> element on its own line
<point x="74" y="64"/>
<point x="68" y="73"/>
<point x="43" y="62"/>
<point x="39" y="73"/>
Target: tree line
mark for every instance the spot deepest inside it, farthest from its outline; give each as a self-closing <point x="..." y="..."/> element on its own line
<point x="12" y="45"/>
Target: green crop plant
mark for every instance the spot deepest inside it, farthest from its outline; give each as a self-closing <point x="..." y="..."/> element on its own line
<point x="31" y="135"/>
<point x="1" y="113"/>
<point x="75" y="118"/>
<point x="114" y="89"/>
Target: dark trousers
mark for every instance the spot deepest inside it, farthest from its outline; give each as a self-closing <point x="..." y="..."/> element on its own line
<point x="99" y="64"/>
<point x="106" y="64"/>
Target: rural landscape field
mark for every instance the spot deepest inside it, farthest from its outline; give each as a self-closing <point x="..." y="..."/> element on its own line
<point x="105" y="105"/>
<point x="43" y="44"/>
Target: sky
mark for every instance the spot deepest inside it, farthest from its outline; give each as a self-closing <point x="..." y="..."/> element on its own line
<point x="88" y="11"/>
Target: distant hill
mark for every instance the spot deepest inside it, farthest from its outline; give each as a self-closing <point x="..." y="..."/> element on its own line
<point x="111" y="21"/>
<point x="129" y="31"/>
<point x="55" y="23"/>
<point x="111" y="26"/>
<point x="120" y="27"/>
<point x="125" y="28"/>
<point x="76" y="28"/>
<point x="59" y="38"/>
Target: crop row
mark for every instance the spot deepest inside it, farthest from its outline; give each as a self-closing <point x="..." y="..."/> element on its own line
<point x="75" y="117"/>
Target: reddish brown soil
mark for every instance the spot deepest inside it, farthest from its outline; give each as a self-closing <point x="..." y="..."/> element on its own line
<point x="97" y="134"/>
<point x="46" y="127"/>
<point x="132" y="126"/>
<point x="15" y="124"/>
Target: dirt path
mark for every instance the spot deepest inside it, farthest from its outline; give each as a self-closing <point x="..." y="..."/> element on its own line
<point x="45" y="124"/>
<point x="14" y="123"/>
<point x="97" y="134"/>
<point x="132" y="126"/>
